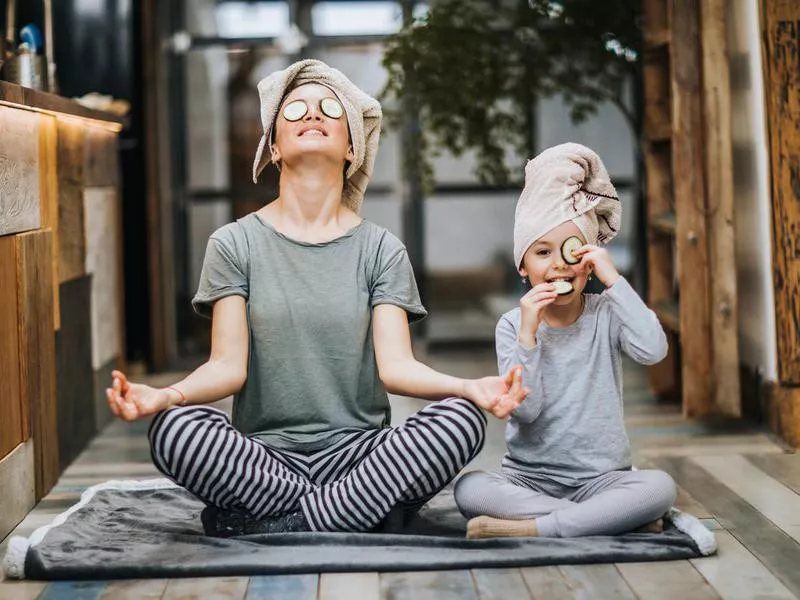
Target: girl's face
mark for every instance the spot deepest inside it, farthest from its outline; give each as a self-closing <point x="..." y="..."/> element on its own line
<point x="543" y="262"/>
<point x="315" y="132"/>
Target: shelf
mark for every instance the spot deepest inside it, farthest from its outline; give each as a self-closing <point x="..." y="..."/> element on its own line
<point x="15" y="95"/>
<point x="664" y="223"/>
<point x="662" y="132"/>
<point x="657" y="40"/>
<point x="668" y="313"/>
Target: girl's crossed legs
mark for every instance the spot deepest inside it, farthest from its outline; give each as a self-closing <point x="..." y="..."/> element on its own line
<point x="613" y="503"/>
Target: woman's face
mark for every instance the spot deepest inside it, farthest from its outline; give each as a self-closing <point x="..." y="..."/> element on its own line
<point x="543" y="262"/>
<point x="313" y="133"/>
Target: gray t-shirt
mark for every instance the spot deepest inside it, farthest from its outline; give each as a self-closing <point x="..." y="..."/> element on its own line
<point x="312" y="375"/>
<point x="570" y="428"/>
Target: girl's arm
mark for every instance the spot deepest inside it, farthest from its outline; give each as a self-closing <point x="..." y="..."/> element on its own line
<point x="640" y="334"/>
<point x="511" y="351"/>
<point x="402" y="374"/>
<point x="222" y="375"/>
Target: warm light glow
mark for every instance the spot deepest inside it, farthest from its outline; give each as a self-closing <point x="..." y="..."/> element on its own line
<point x="84" y="121"/>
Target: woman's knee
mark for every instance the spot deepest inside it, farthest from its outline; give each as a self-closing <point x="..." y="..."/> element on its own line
<point x="165" y="422"/>
<point x="167" y="426"/>
<point x="466" y="417"/>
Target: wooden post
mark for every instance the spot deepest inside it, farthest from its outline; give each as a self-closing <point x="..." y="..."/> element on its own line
<point x="781" y="35"/>
<point x="413" y="197"/>
<point x="726" y="395"/>
<point x="160" y="255"/>
<point x="690" y="208"/>
<point x="783" y="108"/>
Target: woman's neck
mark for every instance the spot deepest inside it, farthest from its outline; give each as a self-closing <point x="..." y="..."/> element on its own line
<point x="309" y="207"/>
<point x="563" y="316"/>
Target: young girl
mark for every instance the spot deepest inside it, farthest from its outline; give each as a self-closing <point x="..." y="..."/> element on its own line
<point x="567" y="471"/>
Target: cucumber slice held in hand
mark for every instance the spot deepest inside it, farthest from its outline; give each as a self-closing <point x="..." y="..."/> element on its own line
<point x="563" y="287"/>
<point x="570" y="245"/>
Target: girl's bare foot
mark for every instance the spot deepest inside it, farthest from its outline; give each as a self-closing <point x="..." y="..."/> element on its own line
<point x="656" y="526"/>
<point x="489" y="527"/>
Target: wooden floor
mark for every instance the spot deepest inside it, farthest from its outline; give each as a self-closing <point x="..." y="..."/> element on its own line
<point x="737" y="478"/>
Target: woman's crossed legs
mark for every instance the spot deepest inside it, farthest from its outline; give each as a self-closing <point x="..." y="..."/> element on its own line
<point x="350" y="486"/>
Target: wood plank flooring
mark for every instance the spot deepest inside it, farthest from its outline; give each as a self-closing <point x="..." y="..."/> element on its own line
<point x="738" y="478"/>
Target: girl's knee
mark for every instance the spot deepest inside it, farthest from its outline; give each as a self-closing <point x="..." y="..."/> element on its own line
<point x="470" y="493"/>
<point x="661" y="489"/>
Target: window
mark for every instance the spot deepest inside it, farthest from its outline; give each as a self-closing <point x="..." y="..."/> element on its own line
<point x="251" y="19"/>
<point x="359" y="18"/>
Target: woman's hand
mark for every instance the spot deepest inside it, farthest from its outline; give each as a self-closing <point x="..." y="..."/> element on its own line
<point x="132" y="401"/>
<point x="599" y="260"/>
<point x="497" y="395"/>
<point x="531" y="306"/>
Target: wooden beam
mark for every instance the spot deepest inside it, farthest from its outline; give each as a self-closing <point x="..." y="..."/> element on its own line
<point x="17" y="494"/>
<point x="661" y="276"/>
<point x="726" y="397"/>
<point x="19" y="171"/>
<point x="37" y="352"/>
<point x="163" y="337"/>
<point x="48" y="190"/>
<point x="665" y="376"/>
<point x="72" y="235"/>
<point x="782" y="411"/>
<point x="690" y="208"/>
<point x="782" y="73"/>
<point x="13" y="427"/>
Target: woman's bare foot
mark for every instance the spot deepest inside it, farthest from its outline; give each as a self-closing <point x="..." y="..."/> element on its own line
<point x="656" y="526"/>
<point x="489" y="527"/>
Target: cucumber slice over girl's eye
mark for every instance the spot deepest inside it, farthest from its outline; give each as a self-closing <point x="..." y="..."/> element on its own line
<point x="568" y="247"/>
<point x="294" y="111"/>
<point x="331" y="108"/>
<point x="563" y="287"/>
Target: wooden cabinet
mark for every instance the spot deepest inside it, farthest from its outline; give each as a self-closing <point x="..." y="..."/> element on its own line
<point x="60" y="287"/>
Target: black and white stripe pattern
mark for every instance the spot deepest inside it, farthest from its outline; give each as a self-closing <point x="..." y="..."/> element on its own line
<point x="350" y="486"/>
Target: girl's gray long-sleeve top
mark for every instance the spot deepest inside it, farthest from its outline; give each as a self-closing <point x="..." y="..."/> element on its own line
<point x="570" y="428"/>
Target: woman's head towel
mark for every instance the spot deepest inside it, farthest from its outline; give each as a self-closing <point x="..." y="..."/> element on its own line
<point x="363" y="116"/>
<point x="566" y="183"/>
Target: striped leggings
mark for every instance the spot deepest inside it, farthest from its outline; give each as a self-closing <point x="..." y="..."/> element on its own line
<point x="350" y="486"/>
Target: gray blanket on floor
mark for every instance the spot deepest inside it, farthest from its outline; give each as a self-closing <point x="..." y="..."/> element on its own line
<point x="142" y="533"/>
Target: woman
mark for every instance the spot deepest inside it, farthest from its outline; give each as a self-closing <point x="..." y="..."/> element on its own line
<point x="310" y="307"/>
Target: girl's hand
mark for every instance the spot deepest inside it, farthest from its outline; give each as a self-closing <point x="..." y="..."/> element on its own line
<point x="531" y="306"/>
<point x="599" y="260"/>
<point x="497" y="395"/>
<point x="132" y="401"/>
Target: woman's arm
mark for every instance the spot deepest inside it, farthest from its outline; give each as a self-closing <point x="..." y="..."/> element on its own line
<point x="222" y="375"/>
<point x="402" y="374"/>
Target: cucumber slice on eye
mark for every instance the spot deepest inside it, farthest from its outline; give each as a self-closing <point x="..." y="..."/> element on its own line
<point x="563" y="287"/>
<point x="568" y="247"/>
<point x="296" y="110"/>
<point x="331" y="108"/>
